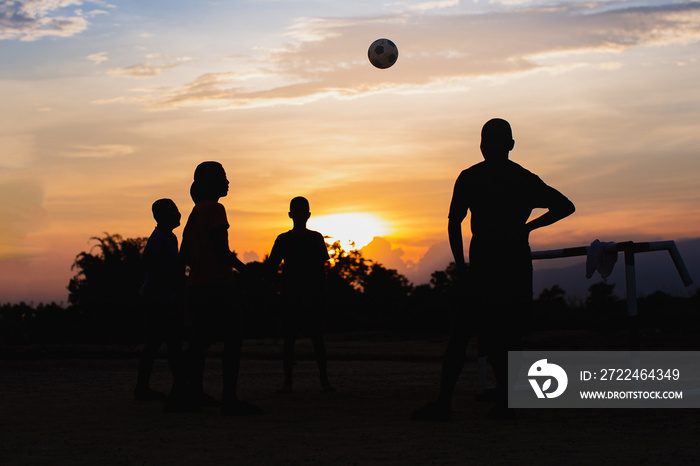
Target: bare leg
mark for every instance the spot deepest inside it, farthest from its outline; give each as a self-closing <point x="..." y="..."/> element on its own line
<point x="452" y="365"/>
<point x="288" y="361"/>
<point x="321" y="361"/>
<point x="230" y="364"/>
<point x="146" y="361"/>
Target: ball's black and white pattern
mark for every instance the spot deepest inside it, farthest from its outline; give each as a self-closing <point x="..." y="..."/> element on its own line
<point x="383" y="53"/>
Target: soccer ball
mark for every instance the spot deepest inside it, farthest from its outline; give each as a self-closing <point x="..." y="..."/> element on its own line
<point x="383" y="53"/>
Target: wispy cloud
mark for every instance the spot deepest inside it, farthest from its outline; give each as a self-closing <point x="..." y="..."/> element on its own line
<point x="22" y="213"/>
<point x="326" y="58"/>
<point x="158" y="64"/>
<point x="91" y="13"/>
<point x="438" y="4"/>
<point x="18" y="150"/>
<point x="100" y="151"/>
<point x="98" y="57"/>
<point x="30" y="20"/>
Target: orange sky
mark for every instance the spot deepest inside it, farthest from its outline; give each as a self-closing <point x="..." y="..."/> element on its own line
<point x="115" y="106"/>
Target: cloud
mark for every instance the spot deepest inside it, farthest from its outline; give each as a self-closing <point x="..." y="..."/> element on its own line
<point x="380" y="250"/>
<point x="439" y="4"/>
<point x="92" y="13"/>
<point x="22" y="213"/>
<point x="30" y="20"/>
<point x="100" y="151"/>
<point x="159" y="64"/>
<point x="328" y="56"/>
<point x="250" y="256"/>
<point x="98" y="57"/>
<point x="437" y="257"/>
<point x="115" y="100"/>
<point x="18" y="151"/>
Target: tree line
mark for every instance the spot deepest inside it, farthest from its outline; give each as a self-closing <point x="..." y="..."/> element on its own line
<point x="362" y="295"/>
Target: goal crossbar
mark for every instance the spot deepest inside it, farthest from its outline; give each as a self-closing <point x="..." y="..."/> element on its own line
<point x="629" y="248"/>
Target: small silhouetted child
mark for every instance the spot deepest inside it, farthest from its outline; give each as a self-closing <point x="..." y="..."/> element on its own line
<point x="213" y="313"/>
<point x="162" y="294"/>
<point x="304" y="254"/>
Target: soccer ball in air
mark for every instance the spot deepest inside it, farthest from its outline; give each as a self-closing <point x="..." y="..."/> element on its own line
<point x="383" y="53"/>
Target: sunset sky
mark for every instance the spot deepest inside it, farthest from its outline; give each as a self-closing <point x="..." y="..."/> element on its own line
<point x="108" y="106"/>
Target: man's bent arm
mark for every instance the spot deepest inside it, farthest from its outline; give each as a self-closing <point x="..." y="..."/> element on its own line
<point x="559" y="207"/>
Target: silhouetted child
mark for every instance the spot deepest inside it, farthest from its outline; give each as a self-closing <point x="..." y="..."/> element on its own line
<point x="213" y="313"/>
<point x="162" y="293"/>
<point x="304" y="254"/>
<point x="500" y="195"/>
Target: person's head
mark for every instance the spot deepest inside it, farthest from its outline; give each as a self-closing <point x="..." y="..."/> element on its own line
<point x="299" y="210"/>
<point x="210" y="182"/>
<point x="496" y="139"/>
<point x="166" y="213"/>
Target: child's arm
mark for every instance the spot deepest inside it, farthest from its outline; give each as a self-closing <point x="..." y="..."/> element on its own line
<point x="275" y="258"/>
<point x="272" y="264"/>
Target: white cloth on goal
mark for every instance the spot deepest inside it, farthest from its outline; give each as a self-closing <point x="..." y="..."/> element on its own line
<point x="601" y="257"/>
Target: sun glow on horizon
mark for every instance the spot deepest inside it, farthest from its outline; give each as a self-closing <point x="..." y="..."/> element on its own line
<point x="353" y="230"/>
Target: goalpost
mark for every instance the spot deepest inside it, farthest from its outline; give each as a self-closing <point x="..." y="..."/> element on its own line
<point x="629" y="248"/>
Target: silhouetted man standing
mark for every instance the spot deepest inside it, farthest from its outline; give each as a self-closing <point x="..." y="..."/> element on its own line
<point x="500" y="194"/>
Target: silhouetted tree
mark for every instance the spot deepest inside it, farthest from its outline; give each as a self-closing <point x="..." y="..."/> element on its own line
<point x="106" y="286"/>
<point x="386" y="293"/>
<point x="16" y="322"/>
<point x="385" y="283"/>
<point x="346" y="271"/>
<point x="432" y="307"/>
<point x="601" y="296"/>
<point x="364" y="294"/>
<point x="348" y="266"/>
<point x="553" y="296"/>
<point x="448" y="282"/>
<point x="604" y="307"/>
<point x="22" y="323"/>
<point x="550" y="309"/>
<point x="663" y="310"/>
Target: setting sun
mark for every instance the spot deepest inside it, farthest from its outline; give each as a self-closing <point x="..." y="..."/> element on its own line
<point x="353" y="230"/>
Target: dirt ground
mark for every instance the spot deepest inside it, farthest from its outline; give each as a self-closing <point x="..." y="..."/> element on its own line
<point x="80" y="411"/>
